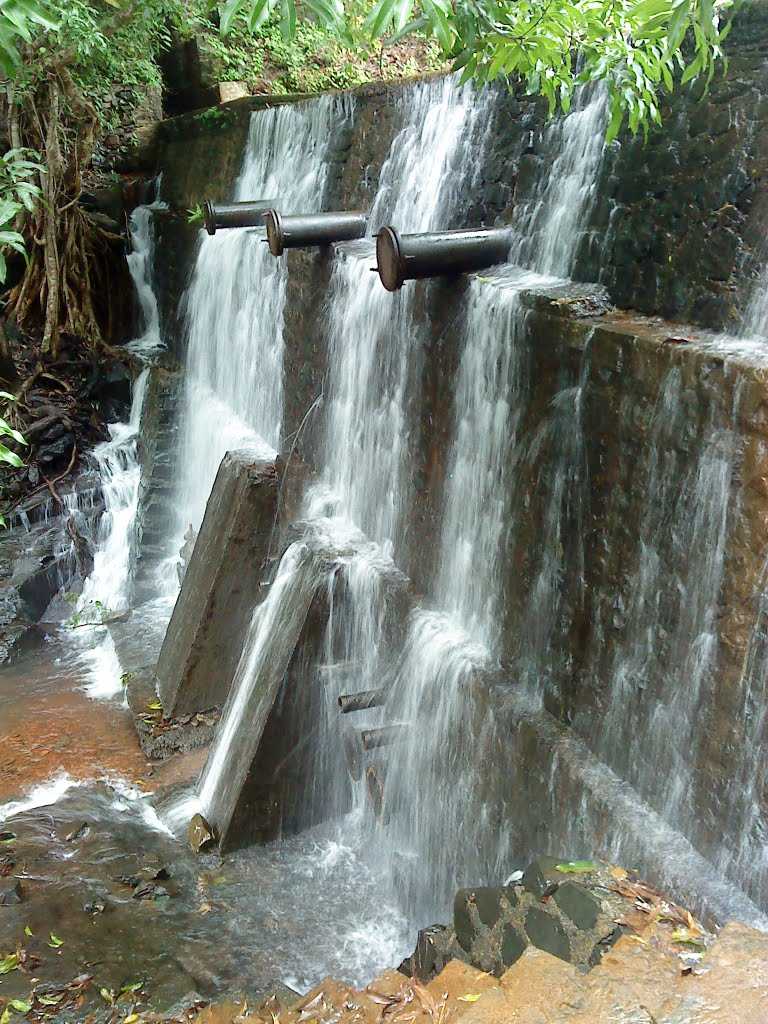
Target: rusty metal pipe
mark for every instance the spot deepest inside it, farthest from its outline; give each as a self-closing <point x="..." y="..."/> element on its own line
<point x="404" y="258"/>
<point x="360" y="701"/>
<point x="304" y="230"/>
<point x="235" y="215"/>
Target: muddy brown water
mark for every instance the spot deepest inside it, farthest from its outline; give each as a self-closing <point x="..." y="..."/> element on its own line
<point x="75" y="792"/>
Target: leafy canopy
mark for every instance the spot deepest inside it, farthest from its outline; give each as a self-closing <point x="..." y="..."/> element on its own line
<point x="637" y="47"/>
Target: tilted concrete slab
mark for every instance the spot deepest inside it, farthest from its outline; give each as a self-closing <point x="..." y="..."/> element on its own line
<point x="222" y="585"/>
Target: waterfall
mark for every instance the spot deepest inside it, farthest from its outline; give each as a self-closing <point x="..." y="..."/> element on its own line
<point x="120" y="472"/>
<point x="366" y="430"/>
<point x="141" y="265"/>
<point x="374" y="341"/>
<point x="456" y="639"/>
<point x="551" y="222"/>
<point x="116" y="459"/>
<point x="233" y="394"/>
<point x="648" y="732"/>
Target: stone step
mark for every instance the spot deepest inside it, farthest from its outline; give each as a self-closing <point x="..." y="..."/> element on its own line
<point x="631" y="983"/>
<point x="730" y="987"/>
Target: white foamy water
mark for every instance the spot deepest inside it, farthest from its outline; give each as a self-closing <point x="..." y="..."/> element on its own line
<point x="120" y="472"/>
<point x="44" y="795"/>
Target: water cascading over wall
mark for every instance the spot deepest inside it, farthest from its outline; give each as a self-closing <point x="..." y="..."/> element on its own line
<point x="233" y="308"/>
<point x="576" y="508"/>
<point x="357" y="509"/>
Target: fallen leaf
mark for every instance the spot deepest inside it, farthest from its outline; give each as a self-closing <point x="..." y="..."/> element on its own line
<point x="576" y="867"/>
<point x="686" y="937"/>
<point x="107" y="995"/>
<point x="20" y="1005"/>
<point x="50" y="1000"/>
<point x="9" y="963"/>
<point x="619" y="873"/>
<point x="470" y="997"/>
<point x="131" y="1018"/>
<point x="55" y="941"/>
<point x="28" y="931"/>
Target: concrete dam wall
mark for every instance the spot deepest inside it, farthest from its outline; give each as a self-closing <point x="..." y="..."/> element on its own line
<point x="560" y="462"/>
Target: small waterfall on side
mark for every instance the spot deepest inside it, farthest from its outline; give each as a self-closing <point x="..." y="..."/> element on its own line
<point x="670" y="627"/>
<point x="233" y="395"/>
<point x="116" y="459"/>
<point x="108" y="587"/>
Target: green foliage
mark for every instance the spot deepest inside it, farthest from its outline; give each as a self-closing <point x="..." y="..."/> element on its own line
<point x="18" y="191"/>
<point x="19" y="20"/>
<point x="195" y="215"/>
<point x="637" y="47"/>
<point x="6" y="430"/>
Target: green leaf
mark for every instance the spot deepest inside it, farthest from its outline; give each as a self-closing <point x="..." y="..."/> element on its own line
<point x="20" y="1005"/>
<point x="55" y="941"/>
<point x="288" y="18"/>
<point x="9" y="963"/>
<point x="577" y="867"/>
<point x="227" y="13"/>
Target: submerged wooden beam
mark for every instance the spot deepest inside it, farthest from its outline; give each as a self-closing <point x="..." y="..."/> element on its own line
<point x="235" y="215"/>
<point x="374" y="787"/>
<point x="303" y="230"/>
<point x="404" y="258"/>
<point x="353" y="752"/>
<point x="382" y="737"/>
<point x="360" y="701"/>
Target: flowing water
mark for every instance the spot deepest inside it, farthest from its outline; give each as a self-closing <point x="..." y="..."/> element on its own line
<point x="447" y="675"/>
<point x="233" y="391"/>
<point x="454" y="640"/>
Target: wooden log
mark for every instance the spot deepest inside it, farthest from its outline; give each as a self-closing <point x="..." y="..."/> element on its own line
<point x="382" y="737"/>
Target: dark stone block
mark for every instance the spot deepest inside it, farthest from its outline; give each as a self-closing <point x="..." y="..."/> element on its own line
<point x="513" y="945"/>
<point x="540" y="875"/>
<point x="488" y="902"/>
<point x="579" y="904"/>
<point x="462" y="919"/>
<point x="11" y="893"/>
<point x="547" y="933"/>
<point x="431" y="955"/>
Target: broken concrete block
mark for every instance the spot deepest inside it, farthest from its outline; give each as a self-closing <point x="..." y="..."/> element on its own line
<point x="221" y="587"/>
